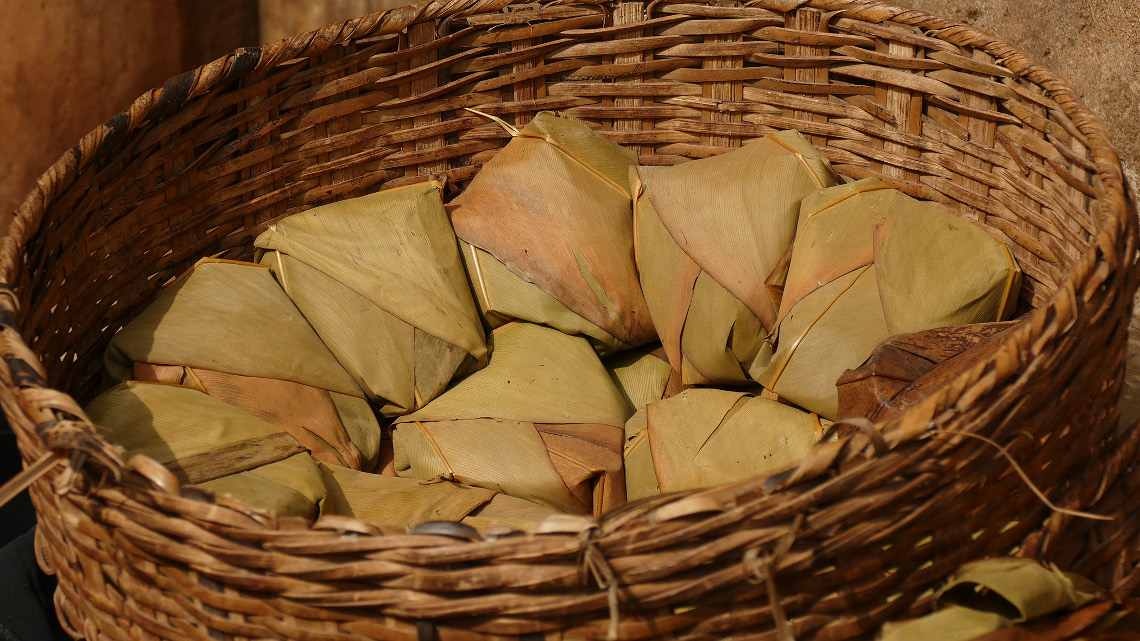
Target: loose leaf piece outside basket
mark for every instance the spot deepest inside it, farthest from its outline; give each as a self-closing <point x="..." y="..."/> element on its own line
<point x="705" y="437"/>
<point x="712" y="240"/>
<point x="400" y="502"/>
<point x="381" y="281"/>
<point x="993" y="594"/>
<point x="543" y="421"/>
<point x="208" y="442"/>
<point x="553" y="208"/>
<point x="227" y="329"/>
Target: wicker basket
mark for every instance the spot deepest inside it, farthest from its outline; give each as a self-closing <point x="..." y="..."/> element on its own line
<point x="859" y="534"/>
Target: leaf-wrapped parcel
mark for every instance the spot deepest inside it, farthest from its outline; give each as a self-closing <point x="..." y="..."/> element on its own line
<point x="830" y="318"/>
<point x="390" y="501"/>
<point x="547" y="235"/>
<point x="939" y="270"/>
<point x="208" y="442"/>
<point x="227" y="329"/>
<point x="852" y="240"/>
<point x="643" y="378"/>
<point x="543" y="421"/>
<point x="712" y="241"/>
<point x="704" y="437"/>
<point x="380" y="279"/>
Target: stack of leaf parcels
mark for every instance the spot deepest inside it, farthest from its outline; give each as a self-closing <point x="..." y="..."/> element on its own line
<point x="543" y="421"/>
<point x="228" y="330"/>
<point x="381" y="281"/>
<point x="870" y="262"/>
<point x="546" y="233"/>
<point x="712" y="237"/>
<point x="205" y="441"/>
<point x="753" y="268"/>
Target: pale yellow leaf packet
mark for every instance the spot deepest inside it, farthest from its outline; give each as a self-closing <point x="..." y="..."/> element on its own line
<point x="712" y="242"/>
<point x="227" y="329"/>
<point x="543" y="421"/>
<point x="380" y="279"/>
<point x="207" y="442"/>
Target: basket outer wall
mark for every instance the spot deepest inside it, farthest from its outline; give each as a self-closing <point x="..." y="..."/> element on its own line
<point x="859" y="534"/>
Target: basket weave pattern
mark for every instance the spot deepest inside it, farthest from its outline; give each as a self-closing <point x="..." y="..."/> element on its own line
<point x="859" y="534"/>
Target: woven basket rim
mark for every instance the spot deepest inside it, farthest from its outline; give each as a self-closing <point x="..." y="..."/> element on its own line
<point x="1116" y="212"/>
<point x="180" y="90"/>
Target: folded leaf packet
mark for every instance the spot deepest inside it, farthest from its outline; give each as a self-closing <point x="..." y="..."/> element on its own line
<point x="208" y="442"/>
<point x="643" y="378"/>
<point x="704" y="437"/>
<point x="543" y="421"/>
<point x="853" y="239"/>
<point x="401" y="502"/>
<point x="380" y="279"/>
<point x="712" y="239"/>
<point x="547" y="235"/>
<point x="830" y="318"/>
<point x="939" y="270"/>
<point x="637" y="456"/>
<point x="227" y="329"/>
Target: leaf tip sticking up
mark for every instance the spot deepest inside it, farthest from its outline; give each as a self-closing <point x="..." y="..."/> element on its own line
<point x="508" y="127"/>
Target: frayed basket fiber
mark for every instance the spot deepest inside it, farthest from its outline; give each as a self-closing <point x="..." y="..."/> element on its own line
<point x="858" y="534"/>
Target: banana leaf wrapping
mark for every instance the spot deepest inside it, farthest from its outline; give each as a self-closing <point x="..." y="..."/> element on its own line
<point x="227" y="329"/>
<point x="640" y="476"/>
<point x="543" y="421"/>
<point x="939" y="270"/>
<point x="547" y="235"/>
<point x="380" y="279"/>
<point x="830" y="318"/>
<point x="642" y="376"/>
<point x="712" y="239"/>
<point x="390" y="501"/>
<point x="704" y="437"/>
<point x="208" y="442"/>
